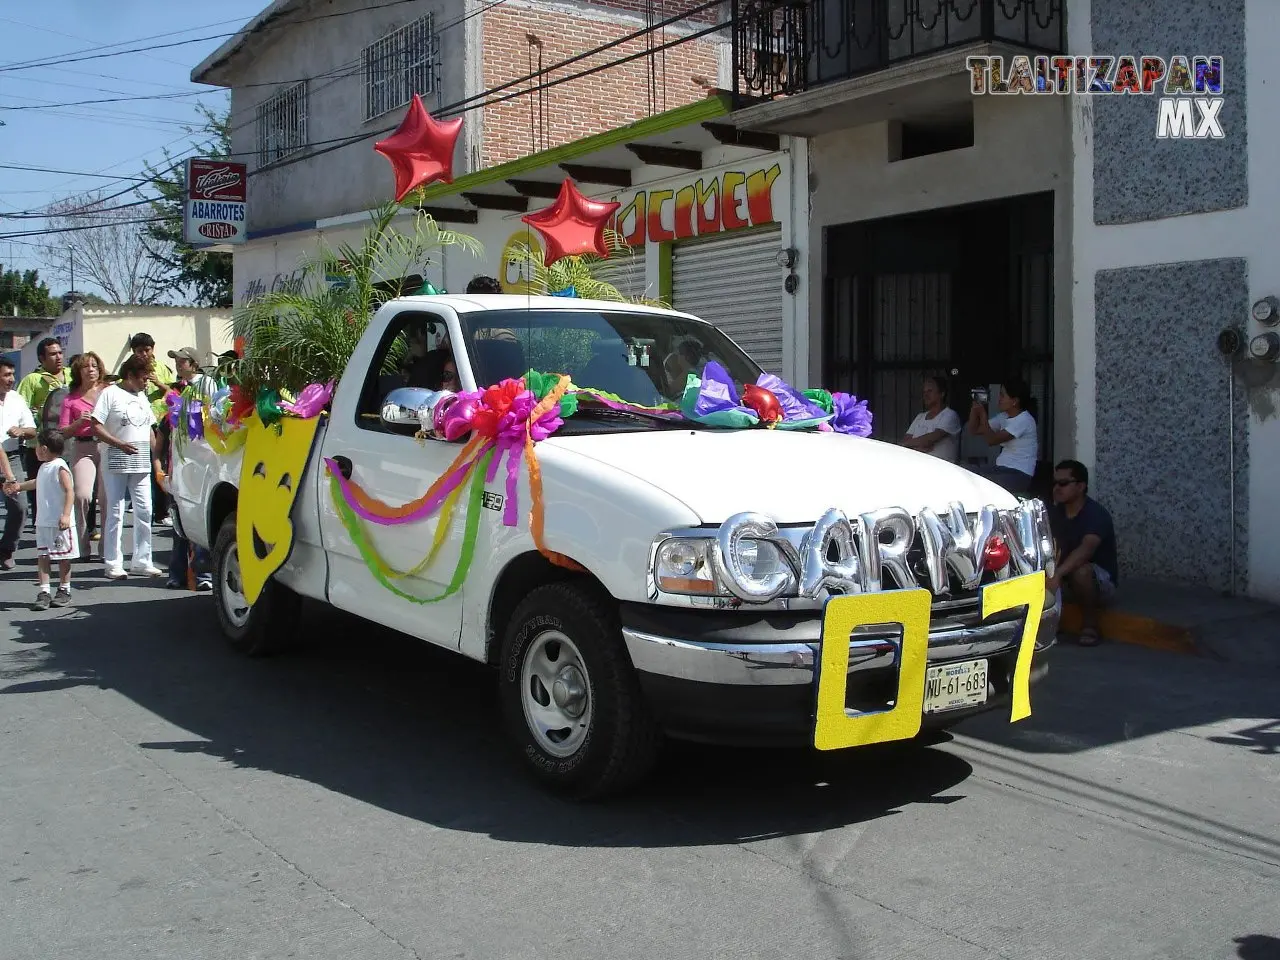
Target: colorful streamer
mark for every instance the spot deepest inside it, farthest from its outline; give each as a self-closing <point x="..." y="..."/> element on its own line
<point x="382" y="571"/>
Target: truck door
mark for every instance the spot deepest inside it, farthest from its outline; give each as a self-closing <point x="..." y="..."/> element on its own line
<point x="390" y="465"/>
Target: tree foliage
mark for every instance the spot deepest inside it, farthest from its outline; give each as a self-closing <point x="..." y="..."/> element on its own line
<point x="297" y="337"/>
<point x="24" y="294"/>
<point x="197" y="276"/>
<point x="101" y="240"/>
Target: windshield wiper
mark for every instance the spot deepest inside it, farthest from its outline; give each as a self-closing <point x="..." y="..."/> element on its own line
<point x="608" y="413"/>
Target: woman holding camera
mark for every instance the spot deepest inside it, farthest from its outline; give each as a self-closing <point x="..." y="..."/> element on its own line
<point x="1014" y="430"/>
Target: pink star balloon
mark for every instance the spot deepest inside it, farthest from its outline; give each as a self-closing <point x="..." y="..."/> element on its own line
<point x="573" y="225"/>
<point x="421" y="149"/>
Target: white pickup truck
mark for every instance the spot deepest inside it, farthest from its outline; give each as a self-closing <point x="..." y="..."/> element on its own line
<point x="706" y="556"/>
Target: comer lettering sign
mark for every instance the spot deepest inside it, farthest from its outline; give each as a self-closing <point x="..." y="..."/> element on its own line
<point x="214" y="204"/>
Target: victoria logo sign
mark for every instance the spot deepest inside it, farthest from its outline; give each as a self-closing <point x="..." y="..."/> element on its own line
<point x="215" y="201"/>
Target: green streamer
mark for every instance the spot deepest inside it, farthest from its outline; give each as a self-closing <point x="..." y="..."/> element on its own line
<point x="369" y="554"/>
<point x="268" y="407"/>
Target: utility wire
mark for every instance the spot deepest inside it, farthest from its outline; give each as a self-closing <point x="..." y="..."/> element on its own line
<point x="468" y="104"/>
<point x="48" y="62"/>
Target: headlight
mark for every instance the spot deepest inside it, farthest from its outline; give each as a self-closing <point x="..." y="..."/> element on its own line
<point x="749" y="560"/>
<point x="684" y="566"/>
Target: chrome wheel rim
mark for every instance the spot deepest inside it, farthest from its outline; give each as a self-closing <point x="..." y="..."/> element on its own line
<point x="232" y="589"/>
<point x="555" y="691"/>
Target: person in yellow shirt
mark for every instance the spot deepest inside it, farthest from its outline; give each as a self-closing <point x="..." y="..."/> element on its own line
<point x="35" y="388"/>
<point x="160" y="379"/>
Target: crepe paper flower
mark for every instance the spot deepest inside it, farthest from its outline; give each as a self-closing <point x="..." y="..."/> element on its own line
<point x="851" y="415"/>
<point x="311" y="401"/>
<point x="268" y="407"/>
<point x="242" y="405"/>
<point x="820" y="399"/>
<point x="795" y="405"/>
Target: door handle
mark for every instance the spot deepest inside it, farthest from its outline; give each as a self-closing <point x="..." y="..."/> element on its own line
<point x="344" y="466"/>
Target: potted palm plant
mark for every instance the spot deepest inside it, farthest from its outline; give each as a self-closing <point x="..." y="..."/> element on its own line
<point x="298" y="337"/>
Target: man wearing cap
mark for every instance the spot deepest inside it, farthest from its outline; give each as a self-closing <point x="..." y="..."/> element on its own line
<point x="187" y="364"/>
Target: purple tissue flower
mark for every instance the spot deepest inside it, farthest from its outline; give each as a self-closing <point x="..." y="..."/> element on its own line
<point x="851" y="415"/>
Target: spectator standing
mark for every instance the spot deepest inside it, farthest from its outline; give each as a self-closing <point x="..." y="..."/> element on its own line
<point x="55" y="533"/>
<point x="160" y="379"/>
<point x="16" y="425"/>
<point x="1014" y="430"/>
<point x="936" y="429"/>
<point x="76" y="424"/>
<point x="1086" y="569"/>
<point x="186" y="365"/>
<point x="35" y="389"/>
<point x="123" y="420"/>
<point x="185" y="556"/>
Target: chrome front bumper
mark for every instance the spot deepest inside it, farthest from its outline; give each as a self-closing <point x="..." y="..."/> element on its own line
<point x="792" y="663"/>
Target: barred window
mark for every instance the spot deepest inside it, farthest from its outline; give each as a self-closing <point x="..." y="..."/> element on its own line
<point x="399" y="65"/>
<point x="282" y="124"/>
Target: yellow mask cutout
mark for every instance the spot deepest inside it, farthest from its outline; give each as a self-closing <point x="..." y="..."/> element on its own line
<point x="274" y="460"/>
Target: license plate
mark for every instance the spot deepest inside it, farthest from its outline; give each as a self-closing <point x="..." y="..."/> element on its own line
<point x="950" y="686"/>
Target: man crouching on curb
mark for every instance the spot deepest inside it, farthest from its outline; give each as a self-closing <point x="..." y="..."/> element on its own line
<point x="1087" y="569"/>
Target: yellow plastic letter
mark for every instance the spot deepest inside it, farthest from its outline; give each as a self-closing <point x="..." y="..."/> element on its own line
<point x="834" y="727"/>
<point x="1026" y="591"/>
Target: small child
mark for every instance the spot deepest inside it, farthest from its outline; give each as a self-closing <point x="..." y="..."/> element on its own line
<point x="55" y="533"/>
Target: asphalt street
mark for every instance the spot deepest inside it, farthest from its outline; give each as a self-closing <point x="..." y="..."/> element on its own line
<point x="161" y="796"/>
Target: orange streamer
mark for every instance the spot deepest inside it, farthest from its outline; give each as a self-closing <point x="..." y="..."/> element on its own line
<point x="388" y="512"/>
<point x="535" y="479"/>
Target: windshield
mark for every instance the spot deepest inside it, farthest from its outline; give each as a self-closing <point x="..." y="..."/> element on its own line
<point x="644" y="358"/>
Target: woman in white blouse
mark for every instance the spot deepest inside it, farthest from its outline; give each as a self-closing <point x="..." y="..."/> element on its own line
<point x="1014" y="430"/>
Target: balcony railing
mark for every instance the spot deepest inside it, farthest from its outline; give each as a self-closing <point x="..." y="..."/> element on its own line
<point x="784" y="47"/>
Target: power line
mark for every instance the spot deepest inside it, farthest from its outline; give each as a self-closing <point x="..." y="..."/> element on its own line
<point x="45" y="62"/>
<point x="89" y="226"/>
<point x="467" y="104"/>
<point x="81" y="103"/>
<point x="71" y="173"/>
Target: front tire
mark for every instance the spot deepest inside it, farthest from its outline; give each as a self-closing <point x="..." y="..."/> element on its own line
<point x="259" y="630"/>
<point x="570" y="695"/>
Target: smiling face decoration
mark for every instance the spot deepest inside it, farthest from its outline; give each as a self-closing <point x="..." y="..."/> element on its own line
<point x="270" y="477"/>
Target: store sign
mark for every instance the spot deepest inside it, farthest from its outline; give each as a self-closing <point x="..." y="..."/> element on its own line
<point x="732" y="199"/>
<point x="280" y="283"/>
<point x="214" y="205"/>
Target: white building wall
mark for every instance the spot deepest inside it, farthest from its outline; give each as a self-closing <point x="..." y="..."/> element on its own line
<point x="1243" y="233"/>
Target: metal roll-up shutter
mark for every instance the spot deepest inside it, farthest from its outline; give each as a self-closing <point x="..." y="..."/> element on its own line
<point x="625" y="271"/>
<point x="734" y="282"/>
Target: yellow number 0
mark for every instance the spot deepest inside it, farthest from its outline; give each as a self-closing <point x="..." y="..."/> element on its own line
<point x="835" y="728"/>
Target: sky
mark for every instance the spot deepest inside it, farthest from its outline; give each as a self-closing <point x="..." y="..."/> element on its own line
<point x="113" y="139"/>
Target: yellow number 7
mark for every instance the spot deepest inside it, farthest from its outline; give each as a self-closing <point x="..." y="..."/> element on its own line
<point x="835" y="728"/>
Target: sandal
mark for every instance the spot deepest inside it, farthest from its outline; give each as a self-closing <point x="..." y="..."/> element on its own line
<point x="1089" y="637"/>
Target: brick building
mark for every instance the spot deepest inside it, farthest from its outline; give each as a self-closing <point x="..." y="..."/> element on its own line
<point x="524" y="36"/>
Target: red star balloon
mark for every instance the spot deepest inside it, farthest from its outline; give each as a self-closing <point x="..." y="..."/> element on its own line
<point x="421" y="149"/>
<point x="573" y="225"/>
<point x="763" y="402"/>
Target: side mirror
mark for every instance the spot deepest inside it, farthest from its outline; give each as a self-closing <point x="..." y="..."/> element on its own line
<point x="403" y="406"/>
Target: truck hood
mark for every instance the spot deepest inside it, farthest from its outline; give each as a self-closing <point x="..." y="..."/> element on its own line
<point x="790" y="476"/>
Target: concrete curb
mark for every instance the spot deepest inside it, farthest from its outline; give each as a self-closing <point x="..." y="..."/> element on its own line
<point x="1121" y="627"/>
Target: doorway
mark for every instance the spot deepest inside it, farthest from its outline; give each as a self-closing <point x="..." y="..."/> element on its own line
<point x="964" y="291"/>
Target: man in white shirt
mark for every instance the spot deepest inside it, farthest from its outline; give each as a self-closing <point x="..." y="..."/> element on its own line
<point x="1014" y="430"/>
<point x="16" y="424"/>
<point x="186" y="363"/>
<point x="123" y="418"/>
<point x="935" y="430"/>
